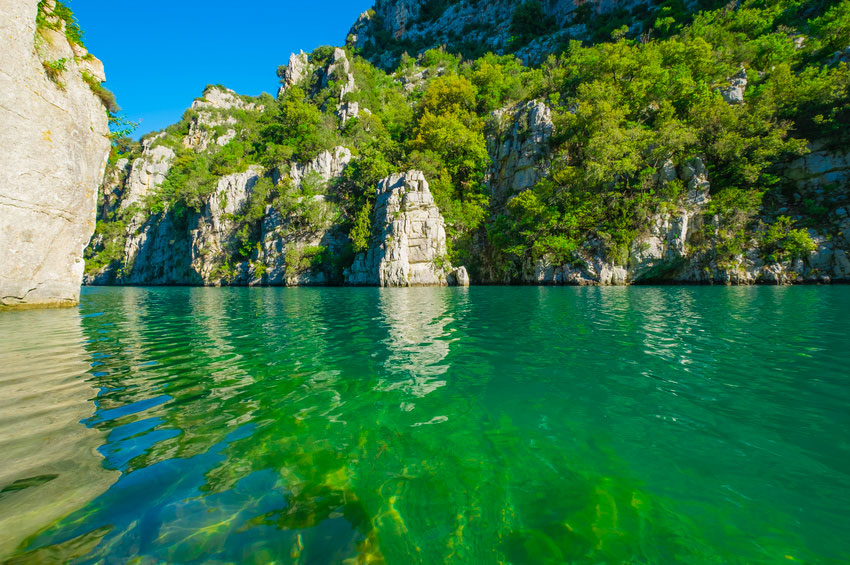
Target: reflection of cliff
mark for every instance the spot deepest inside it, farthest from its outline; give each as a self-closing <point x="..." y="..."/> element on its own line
<point x="417" y="341"/>
<point x="49" y="464"/>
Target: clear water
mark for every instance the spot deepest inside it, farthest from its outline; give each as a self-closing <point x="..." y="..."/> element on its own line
<point x="514" y="425"/>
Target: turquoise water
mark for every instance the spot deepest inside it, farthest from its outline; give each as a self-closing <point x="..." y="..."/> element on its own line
<point x="513" y="425"/>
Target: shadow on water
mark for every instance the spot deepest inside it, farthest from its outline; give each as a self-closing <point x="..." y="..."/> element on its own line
<point x="519" y="425"/>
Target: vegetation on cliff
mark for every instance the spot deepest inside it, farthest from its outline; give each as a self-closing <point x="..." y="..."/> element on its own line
<point x="739" y="88"/>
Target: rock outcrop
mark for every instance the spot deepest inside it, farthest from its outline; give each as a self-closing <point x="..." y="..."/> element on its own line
<point x="210" y="123"/>
<point x="734" y="93"/>
<point x="484" y="24"/>
<point x="668" y="252"/>
<point x="217" y="222"/>
<point x="288" y="248"/>
<point x="54" y="138"/>
<point x="298" y="69"/>
<point x="409" y="241"/>
<point x="327" y="165"/>
<point x="518" y="153"/>
<point x="146" y="174"/>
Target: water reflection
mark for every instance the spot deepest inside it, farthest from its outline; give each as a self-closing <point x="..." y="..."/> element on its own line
<point x="456" y="425"/>
<point x="49" y="461"/>
<point x="418" y="343"/>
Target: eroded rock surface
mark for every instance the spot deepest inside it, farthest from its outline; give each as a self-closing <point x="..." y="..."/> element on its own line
<point x="518" y="154"/>
<point x="409" y="245"/>
<point x="54" y="139"/>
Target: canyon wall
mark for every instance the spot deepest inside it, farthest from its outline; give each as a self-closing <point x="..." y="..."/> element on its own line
<point x="54" y="139"/>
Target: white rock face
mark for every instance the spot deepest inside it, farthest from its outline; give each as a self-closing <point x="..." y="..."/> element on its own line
<point x="518" y="155"/>
<point x="410" y="246"/>
<point x="821" y="166"/>
<point x="220" y="98"/>
<point x="340" y="70"/>
<point x="53" y="149"/>
<point x="734" y="93"/>
<point x="459" y="277"/>
<point x="285" y="247"/>
<point x="484" y="23"/>
<point x="215" y="228"/>
<point x="147" y="173"/>
<point x="350" y="110"/>
<point x="201" y="134"/>
<point x="299" y="67"/>
<point x="328" y="165"/>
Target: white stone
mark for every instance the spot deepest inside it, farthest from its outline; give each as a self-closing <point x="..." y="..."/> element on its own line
<point x="410" y="246"/>
<point x="328" y="165"/>
<point x="734" y="93"/>
<point x="54" y="148"/>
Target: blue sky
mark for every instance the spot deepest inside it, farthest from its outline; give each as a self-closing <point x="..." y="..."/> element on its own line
<point x="160" y="54"/>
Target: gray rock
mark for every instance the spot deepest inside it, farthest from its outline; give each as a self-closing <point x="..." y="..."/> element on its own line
<point x="518" y="153"/>
<point x="734" y="93"/>
<point x="208" y="108"/>
<point x="487" y="24"/>
<point x="409" y="248"/>
<point x="328" y="165"/>
<point x="55" y="144"/>
<point x="350" y="110"/>
<point x="146" y="174"/>
<point x="216" y="226"/>
<point x="298" y="69"/>
<point x="459" y="277"/>
<point x="821" y="166"/>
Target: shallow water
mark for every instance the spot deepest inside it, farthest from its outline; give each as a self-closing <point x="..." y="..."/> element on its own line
<point x="522" y="425"/>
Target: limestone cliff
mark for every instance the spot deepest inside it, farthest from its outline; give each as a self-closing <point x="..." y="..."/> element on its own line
<point x="409" y="244"/>
<point x="675" y="248"/>
<point x="519" y="150"/>
<point x="54" y="139"/>
<point x="393" y="26"/>
<point x="206" y="245"/>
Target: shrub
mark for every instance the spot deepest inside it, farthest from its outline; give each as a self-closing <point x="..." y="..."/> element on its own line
<point x="529" y="21"/>
<point x="782" y="242"/>
<point x="104" y="94"/>
<point x="54" y="70"/>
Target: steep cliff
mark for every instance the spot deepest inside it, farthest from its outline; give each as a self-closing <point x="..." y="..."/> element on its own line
<point x="530" y="29"/>
<point x="54" y="138"/>
<point x="409" y="244"/>
<point x="246" y="226"/>
<point x="673" y="145"/>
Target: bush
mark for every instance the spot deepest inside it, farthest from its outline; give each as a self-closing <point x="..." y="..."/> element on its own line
<point x="782" y="242"/>
<point x="61" y="16"/>
<point x="529" y="21"/>
<point x="104" y="94"/>
<point x="54" y="70"/>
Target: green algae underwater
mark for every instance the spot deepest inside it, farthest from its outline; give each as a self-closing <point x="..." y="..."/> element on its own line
<point x="482" y="425"/>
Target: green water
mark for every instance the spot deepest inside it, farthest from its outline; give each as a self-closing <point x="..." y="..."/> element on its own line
<point x="512" y="425"/>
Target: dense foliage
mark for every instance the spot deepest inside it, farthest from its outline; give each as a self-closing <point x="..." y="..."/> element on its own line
<point x="647" y="98"/>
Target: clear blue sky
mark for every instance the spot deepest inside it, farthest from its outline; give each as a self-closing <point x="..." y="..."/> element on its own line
<point x="160" y="54"/>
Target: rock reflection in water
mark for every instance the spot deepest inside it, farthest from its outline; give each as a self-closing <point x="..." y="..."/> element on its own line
<point x="418" y="341"/>
<point x="49" y="464"/>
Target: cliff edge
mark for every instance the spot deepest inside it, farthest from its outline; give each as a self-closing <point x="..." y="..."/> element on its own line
<point x="54" y="135"/>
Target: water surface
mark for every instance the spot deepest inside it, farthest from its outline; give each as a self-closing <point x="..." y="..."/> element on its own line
<point x="482" y="425"/>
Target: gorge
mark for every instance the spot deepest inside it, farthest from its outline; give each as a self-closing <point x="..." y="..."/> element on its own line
<point x="490" y="281"/>
<point x="674" y="172"/>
